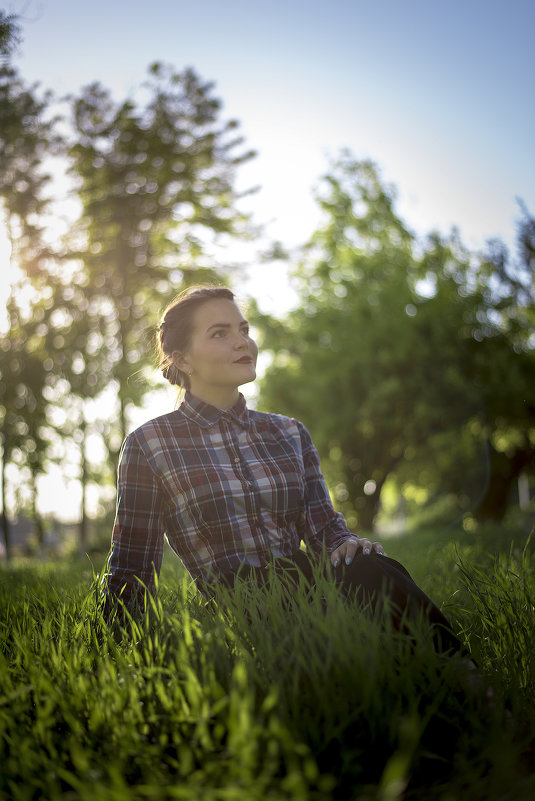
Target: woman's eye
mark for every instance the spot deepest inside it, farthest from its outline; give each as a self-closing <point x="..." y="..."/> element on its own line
<point x="218" y="333"/>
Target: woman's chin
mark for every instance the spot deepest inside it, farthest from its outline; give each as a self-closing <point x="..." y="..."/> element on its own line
<point x="250" y="377"/>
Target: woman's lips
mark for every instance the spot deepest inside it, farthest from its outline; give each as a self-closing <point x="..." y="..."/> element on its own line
<point x="244" y="360"/>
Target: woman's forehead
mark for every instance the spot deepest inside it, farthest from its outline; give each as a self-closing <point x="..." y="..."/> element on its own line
<point x="219" y="310"/>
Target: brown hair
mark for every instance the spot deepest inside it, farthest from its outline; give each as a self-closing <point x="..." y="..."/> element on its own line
<point x="176" y="328"/>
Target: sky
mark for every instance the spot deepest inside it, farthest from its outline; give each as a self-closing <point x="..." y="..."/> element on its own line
<point x="439" y="94"/>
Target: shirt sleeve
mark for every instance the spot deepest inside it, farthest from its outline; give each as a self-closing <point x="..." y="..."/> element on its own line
<point x="322" y="526"/>
<point x="137" y="539"/>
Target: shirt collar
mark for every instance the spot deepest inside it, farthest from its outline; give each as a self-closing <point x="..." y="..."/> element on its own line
<point x="205" y="415"/>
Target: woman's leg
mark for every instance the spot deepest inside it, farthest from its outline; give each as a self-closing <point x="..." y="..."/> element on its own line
<point x="373" y="577"/>
<point x="369" y="579"/>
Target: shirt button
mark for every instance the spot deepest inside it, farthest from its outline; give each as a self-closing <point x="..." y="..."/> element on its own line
<point x="237" y="459"/>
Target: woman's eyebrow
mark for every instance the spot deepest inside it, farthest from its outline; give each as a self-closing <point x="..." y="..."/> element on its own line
<point x="225" y="325"/>
<point x="218" y="325"/>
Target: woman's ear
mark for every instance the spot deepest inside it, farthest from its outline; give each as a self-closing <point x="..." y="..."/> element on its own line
<point x="180" y="361"/>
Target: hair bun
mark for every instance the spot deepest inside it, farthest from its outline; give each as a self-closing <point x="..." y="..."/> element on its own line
<point x="172" y="374"/>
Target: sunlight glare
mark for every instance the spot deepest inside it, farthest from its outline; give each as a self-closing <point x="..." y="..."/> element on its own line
<point x="6" y="273"/>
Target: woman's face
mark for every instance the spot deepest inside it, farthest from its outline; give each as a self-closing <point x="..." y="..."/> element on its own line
<point x="221" y="355"/>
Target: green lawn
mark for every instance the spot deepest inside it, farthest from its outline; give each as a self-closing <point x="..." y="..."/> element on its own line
<point x="270" y="700"/>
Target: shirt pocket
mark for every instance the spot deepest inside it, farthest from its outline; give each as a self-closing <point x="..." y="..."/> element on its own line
<point x="279" y="475"/>
<point x="206" y="496"/>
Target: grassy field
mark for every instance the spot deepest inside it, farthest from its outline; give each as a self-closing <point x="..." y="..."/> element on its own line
<point x="263" y="698"/>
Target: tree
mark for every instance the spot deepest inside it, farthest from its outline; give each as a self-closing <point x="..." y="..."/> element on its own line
<point x="25" y="139"/>
<point x="505" y="366"/>
<point x="80" y="352"/>
<point x="23" y="408"/>
<point x="386" y="359"/>
<point x="9" y="33"/>
<point x="155" y="178"/>
<point x="492" y="300"/>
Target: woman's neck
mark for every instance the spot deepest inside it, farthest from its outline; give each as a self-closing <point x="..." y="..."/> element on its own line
<point x="221" y="398"/>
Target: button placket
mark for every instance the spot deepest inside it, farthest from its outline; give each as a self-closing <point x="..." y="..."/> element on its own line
<point x="244" y="473"/>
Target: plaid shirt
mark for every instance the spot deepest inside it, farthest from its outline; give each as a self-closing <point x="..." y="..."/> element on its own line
<point x="225" y="487"/>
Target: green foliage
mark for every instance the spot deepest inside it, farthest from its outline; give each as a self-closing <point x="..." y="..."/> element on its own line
<point x="9" y="33"/>
<point x="26" y="138"/>
<point x="23" y="376"/>
<point x="155" y="179"/>
<point x="408" y="363"/>
<point x="267" y="696"/>
<point x="156" y="182"/>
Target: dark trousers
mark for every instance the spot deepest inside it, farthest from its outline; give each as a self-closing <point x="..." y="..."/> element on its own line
<point x="370" y="580"/>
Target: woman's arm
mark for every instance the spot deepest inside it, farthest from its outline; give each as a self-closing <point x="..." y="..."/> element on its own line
<point x="137" y="539"/>
<point x="324" y="527"/>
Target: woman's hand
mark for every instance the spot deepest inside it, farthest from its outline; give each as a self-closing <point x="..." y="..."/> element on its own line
<point x="347" y="550"/>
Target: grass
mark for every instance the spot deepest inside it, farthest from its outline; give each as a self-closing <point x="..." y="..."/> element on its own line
<point x="269" y="697"/>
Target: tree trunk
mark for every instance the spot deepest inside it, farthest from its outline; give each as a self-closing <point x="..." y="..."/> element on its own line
<point x="504" y="472"/>
<point x="366" y="515"/>
<point x="83" y="481"/>
<point x="523" y="491"/>
<point x="123" y="380"/>
<point x="368" y="508"/>
<point x="37" y="519"/>
<point x="4" y="517"/>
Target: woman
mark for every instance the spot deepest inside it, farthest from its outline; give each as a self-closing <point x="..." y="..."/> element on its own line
<point x="235" y="491"/>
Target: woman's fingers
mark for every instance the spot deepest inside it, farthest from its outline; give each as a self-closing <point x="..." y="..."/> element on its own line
<point x="352" y="546"/>
<point x="346" y="552"/>
<point x="338" y="554"/>
<point x="366" y="546"/>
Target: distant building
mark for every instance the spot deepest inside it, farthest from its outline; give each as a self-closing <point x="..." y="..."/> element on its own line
<point x="23" y="537"/>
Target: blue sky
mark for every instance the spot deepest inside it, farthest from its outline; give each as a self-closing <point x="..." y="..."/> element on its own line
<point x="439" y="94"/>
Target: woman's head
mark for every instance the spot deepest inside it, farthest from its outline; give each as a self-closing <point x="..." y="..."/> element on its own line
<point x="204" y="344"/>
